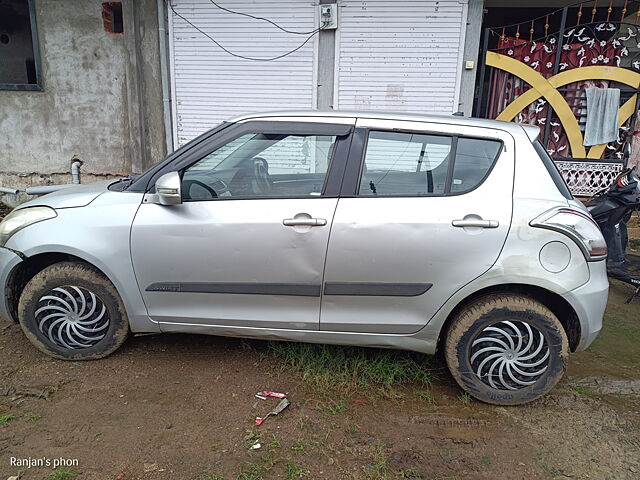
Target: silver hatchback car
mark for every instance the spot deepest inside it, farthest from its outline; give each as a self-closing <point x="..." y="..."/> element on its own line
<point x="425" y="233"/>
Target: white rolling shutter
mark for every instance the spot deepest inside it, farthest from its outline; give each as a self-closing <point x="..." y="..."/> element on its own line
<point x="402" y="55"/>
<point x="209" y="85"/>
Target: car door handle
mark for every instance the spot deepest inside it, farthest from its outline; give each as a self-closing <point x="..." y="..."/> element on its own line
<point x="306" y="222"/>
<point x="476" y="223"/>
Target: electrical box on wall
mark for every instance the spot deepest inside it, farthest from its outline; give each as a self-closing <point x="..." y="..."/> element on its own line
<point x="329" y="16"/>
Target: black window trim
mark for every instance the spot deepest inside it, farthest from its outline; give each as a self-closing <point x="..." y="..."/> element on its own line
<point x="351" y="184"/>
<point x="355" y="163"/>
<point x="452" y="155"/>
<point x="36" y="57"/>
<point x="209" y="143"/>
<point x="552" y="168"/>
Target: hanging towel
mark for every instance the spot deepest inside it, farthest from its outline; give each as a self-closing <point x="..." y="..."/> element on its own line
<point x="602" y="115"/>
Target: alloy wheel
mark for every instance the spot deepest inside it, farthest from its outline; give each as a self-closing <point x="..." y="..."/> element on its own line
<point x="509" y="355"/>
<point x="72" y="317"/>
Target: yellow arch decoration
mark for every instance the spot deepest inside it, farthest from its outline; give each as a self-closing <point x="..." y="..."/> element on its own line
<point x="547" y="88"/>
<point x="542" y="88"/>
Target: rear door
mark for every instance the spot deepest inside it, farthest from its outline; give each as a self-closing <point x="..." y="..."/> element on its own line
<point x="425" y="209"/>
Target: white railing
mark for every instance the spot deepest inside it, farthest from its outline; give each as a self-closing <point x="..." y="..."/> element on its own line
<point x="585" y="178"/>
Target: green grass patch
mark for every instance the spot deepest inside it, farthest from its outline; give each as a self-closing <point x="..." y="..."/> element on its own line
<point x="33" y="417"/>
<point x="291" y="471"/>
<point x="413" y="475"/>
<point x="332" y="407"/>
<point x="378" y="467"/>
<point x="338" y="369"/>
<point x="465" y="398"/>
<point x="257" y="470"/>
<point x="251" y="471"/>
<point x="300" y="445"/>
<point x="274" y="442"/>
<point x="5" y="419"/>
<point x="581" y="390"/>
<point x="61" y="474"/>
<point x="427" y="397"/>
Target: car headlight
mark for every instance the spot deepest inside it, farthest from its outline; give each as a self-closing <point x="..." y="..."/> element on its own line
<point x="21" y="218"/>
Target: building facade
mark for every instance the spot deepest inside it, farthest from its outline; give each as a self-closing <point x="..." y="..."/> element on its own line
<point x="405" y="55"/>
<point x="118" y="84"/>
<point x="77" y="90"/>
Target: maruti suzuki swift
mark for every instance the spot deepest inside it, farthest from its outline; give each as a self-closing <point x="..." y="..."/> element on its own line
<point x="424" y="233"/>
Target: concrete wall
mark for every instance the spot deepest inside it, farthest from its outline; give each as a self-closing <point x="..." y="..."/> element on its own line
<point x="471" y="50"/>
<point x="146" y="120"/>
<point x="101" y="99"/>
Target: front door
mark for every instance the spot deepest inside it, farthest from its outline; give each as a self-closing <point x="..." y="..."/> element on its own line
<point x="247" y="246"/>
<point x="429" y="211"/>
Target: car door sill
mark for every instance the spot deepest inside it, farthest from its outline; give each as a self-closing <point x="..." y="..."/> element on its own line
<point x="400" y="341"/>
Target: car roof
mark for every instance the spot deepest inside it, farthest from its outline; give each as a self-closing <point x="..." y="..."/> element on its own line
<point x="531" y="130"/>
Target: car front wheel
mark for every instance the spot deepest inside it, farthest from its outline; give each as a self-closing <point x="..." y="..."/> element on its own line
<point x="506" y="349"/>
<point x="71" y="311"/>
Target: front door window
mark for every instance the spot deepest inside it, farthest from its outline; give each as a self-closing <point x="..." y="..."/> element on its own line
<point x="261" y="165"/>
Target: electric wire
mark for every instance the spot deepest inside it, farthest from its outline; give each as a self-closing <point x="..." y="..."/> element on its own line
<point x="255" y="59"/>
<point x="263" y="19"/>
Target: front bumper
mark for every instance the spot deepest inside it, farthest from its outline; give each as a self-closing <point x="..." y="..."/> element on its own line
<point x="589" y="302"/>
<point x="8" y="261"/>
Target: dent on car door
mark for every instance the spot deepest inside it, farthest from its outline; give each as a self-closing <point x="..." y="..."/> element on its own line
<point x="428" y="211"/>
<point x="246" y="248"/>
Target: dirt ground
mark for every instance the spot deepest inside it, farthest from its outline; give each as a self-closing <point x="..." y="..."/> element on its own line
<point x="182" y="407"/>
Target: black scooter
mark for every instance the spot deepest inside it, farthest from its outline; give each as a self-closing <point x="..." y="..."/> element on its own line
<point x="611" y="209"/>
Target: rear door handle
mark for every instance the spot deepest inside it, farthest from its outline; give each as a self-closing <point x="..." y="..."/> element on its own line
<point x="306" y="222"/>
<point x="476" y="223"/>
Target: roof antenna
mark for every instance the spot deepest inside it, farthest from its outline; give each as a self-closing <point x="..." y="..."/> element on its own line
<point x="458" y="114"/>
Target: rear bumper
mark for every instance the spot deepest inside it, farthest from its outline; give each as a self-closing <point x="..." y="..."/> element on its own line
<point x="8" y="261"/>
<point x="589" y="302"/>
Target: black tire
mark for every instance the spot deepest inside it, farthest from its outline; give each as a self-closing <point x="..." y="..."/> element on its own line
<point x="524" y="315"/>
<point x="91" y="291"/>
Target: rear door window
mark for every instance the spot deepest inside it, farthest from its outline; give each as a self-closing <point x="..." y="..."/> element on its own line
<point x="416" y="164"/>
<point x="405" y="164"/>
<point x="474" y="159"/>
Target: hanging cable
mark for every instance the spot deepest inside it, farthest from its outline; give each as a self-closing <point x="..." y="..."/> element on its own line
<point x="255" y="59"/>
<point x="263" y="19"/>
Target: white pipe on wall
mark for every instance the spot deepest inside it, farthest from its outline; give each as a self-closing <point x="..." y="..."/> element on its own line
<point x="75" y="171"/>
<point x="164" y="74"/>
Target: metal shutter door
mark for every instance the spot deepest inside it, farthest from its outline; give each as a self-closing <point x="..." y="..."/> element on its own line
<point x="400" y="55"/>
<point x="209" y="85"/>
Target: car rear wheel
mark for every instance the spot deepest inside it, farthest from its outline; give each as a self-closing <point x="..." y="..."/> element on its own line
<point x="506" y="349"/>
<point x="71" y="311"/>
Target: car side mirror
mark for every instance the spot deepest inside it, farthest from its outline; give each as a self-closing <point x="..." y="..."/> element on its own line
<point x="168" y="189"/>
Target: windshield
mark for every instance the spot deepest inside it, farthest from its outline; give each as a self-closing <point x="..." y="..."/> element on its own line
<point x="141" y="182"/>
